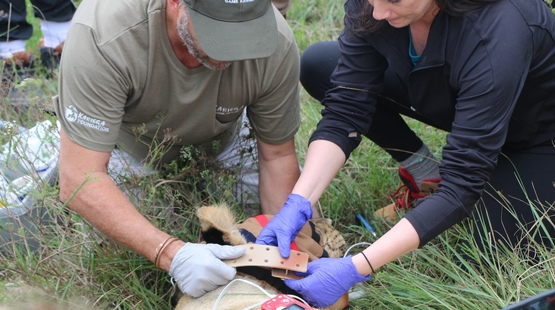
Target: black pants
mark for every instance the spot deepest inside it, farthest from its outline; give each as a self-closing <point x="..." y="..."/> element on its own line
<point x="520" y="176"/>
<point x="13" y="16"/>
<point x="520" y="192"/>
<point x="317" y="64"/>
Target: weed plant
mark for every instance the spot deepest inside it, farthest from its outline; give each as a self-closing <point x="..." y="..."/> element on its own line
<point x="67" y="264"/>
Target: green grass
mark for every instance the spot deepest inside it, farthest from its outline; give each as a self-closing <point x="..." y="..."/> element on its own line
<point x="76" y="268"/>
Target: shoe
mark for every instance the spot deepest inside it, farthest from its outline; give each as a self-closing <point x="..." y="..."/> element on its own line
<point x="50" y="57"/>
<point x="19" y="66"/>
<point x="406" y="195"/>
<point x="20" y="59"/>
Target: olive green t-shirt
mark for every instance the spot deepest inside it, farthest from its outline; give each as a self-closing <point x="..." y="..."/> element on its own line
<point x="122" y="85"/>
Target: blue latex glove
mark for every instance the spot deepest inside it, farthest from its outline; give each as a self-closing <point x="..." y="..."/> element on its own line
<point x="285" y="226"/>
<point x="327" y="280"/>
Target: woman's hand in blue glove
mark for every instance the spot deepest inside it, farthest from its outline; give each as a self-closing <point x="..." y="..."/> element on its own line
<point x="327" y="279"/>
<point x="285" y="226"/>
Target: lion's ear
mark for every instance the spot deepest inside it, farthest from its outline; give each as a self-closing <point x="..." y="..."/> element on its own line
<point x="217" y="225"/>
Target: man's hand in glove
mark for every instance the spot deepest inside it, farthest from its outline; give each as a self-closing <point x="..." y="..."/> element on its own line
<point x="327" y="280"/>
<point x="285" y="226"/>
<point x="197" y="268"/>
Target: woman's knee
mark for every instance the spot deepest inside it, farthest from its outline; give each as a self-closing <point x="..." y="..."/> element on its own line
<point x="317" y="64"/>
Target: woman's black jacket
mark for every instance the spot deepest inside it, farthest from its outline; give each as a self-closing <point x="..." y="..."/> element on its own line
<point x="487" y="77"/>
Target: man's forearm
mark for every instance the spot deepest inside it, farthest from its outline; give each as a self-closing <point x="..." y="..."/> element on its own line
<point x="277" y="178"/>
<point x="107" y="208"/>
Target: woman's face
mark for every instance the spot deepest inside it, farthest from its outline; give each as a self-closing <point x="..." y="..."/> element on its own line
<point x="400" y="13"/>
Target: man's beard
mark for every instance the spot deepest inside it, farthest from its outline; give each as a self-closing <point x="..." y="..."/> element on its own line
<point x="183" y="31"/>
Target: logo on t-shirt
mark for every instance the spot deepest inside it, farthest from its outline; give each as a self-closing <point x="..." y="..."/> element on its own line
<point x="74" y="116"/>
<point x="226" y="111"/>
<point x="228" y="114"/>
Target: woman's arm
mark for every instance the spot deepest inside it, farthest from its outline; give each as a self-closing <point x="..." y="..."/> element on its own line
<point x="323" y="161"/>
<point x="399" y="240"/>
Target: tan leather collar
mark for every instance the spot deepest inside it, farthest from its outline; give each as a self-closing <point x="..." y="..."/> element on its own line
<point x="268" y="257"/>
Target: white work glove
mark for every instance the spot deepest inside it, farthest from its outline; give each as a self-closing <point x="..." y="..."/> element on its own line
<point x="197" y="268"/>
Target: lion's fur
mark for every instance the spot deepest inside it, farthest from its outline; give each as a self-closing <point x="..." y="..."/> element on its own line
<point x="219" y="217"/>
<point x="239" y="295"/>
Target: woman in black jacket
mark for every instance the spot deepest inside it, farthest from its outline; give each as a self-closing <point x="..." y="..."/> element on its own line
<point x="483" y="70"/>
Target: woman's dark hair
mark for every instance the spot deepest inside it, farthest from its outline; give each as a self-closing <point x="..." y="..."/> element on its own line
<point x="362" y="20"/>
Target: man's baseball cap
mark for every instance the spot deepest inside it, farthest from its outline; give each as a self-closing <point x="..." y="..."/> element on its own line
<point x="230" y="30"/>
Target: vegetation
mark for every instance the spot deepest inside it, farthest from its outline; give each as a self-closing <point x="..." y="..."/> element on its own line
<point x="75" y="267"/>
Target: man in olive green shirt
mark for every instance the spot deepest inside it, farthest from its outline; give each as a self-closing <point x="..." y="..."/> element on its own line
<point x="136" y="71"/>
